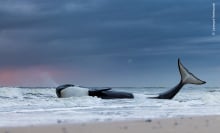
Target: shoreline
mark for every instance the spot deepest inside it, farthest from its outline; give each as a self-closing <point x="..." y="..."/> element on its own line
<point x="201" y="124"/>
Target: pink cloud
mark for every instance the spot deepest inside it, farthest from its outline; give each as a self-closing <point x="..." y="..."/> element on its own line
<point x="33" y="76"/>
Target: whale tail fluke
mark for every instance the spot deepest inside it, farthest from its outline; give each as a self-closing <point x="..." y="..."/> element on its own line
<point x="187" y="77"/>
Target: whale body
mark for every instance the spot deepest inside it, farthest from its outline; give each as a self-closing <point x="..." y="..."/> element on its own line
<point x="69" y="90"/>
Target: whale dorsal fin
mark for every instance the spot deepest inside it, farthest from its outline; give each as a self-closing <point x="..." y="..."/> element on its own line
<point x="187" y="77"/>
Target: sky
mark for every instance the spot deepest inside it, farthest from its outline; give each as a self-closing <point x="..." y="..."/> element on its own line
<point x="107" y="42"/>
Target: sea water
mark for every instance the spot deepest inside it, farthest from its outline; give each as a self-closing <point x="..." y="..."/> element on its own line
<point x="33" y="106"/>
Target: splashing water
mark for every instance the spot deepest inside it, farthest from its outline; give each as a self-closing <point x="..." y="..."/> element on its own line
<point x="31" y="106"/>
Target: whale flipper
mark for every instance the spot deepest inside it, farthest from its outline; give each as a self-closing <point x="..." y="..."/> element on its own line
<point x="98" y="92"/>
<point x="108" y="94"/>
<point x="186" y="78"/>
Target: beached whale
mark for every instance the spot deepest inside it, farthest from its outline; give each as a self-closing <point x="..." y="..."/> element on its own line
<point x="69" y="90"/>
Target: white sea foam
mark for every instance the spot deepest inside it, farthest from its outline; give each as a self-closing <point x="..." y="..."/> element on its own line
<point x="30" y="106"/>
<point x="10" y="92"/>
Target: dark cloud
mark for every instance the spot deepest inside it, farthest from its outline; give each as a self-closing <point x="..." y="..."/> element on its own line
<point x="102" y="33"/>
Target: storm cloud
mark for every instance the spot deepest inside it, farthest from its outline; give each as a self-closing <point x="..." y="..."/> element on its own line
<point x="103" y="36"/>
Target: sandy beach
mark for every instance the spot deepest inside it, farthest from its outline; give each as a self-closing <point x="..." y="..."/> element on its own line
<point x="198" y="124"/>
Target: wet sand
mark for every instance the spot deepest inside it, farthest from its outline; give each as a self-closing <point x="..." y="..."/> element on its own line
<point x="198" y="124"/>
